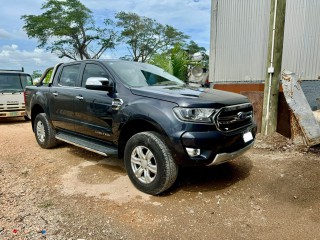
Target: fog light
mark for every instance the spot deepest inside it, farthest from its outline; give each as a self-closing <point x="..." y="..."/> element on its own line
<point x="193" y="152"/>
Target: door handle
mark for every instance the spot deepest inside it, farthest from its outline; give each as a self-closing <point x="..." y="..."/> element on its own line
<point x="55" y="94"/>
<point x="79" y="97"/>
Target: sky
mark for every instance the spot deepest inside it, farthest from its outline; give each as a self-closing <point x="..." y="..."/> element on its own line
<point x="192" y="17"/>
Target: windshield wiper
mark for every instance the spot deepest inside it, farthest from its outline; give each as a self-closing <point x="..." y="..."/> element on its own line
<point x="166" y="83"/>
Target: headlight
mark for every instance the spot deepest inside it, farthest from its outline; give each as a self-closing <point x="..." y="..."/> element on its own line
<point x="203" y="115"/>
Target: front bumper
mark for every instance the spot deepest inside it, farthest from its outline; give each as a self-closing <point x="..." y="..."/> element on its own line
<point x="225" y="157"/>
<point x="215" y="147"/>
<point x="18" y="113"/>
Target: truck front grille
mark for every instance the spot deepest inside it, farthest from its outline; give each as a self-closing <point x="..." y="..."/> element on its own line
<point x="234" y="117"/>
<point x="12" y="107"/>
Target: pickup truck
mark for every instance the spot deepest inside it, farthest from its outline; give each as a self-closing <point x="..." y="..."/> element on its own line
<point x="140" y="113"/>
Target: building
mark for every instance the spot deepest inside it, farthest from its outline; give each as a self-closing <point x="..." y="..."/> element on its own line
<point x="239" y="49"/>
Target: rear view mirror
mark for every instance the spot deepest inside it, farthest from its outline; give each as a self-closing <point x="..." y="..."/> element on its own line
<point x="99" y="83"/>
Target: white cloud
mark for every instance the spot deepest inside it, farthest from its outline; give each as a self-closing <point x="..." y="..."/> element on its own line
<point x="11" y="57"/>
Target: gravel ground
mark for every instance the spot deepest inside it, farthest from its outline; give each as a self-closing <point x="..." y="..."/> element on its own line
<point x="271" y="192"/>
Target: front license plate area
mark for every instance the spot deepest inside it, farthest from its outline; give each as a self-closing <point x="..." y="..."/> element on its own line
<point x="247" y="137"/>
<point x="13" y="114"/>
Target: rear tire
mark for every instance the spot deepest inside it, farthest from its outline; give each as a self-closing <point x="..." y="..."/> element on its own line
<point x="44" y="132"/>
<point x="149" y="163"/>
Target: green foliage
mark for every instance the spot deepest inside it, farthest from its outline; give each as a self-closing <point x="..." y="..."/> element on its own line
<point x="47" y="78"/>
<point x="36" y="74"/>
<point x="193" y="47"/>
<point x="175" y="61"/>
<point x="67" y="28"/>
<point x="163" y="61"/>
<point x="145" y="36"/>
<point x="179" y="61"/>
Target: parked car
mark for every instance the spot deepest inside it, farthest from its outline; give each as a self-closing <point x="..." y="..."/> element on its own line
<point x="141" y="113"/>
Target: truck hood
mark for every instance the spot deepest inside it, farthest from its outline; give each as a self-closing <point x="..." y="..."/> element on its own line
<point x="186" y="96"/>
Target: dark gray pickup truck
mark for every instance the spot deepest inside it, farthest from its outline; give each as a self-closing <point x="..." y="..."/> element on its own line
<point x="140" y="113"/>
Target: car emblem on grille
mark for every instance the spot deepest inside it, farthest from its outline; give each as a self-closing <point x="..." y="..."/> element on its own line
<point x="241" y="115"/>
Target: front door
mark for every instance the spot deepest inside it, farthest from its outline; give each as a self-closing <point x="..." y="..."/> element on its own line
<point x="93" y="108"/>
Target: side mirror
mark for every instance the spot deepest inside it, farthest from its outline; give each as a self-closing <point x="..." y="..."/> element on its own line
<point x="99" y="83"/>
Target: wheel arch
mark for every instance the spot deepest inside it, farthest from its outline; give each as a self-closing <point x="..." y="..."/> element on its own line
<point x="133" y="127"/>
<point x="36" y="109"/>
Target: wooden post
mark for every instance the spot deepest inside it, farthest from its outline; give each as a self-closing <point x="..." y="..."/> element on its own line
<point x="271" y="86"/>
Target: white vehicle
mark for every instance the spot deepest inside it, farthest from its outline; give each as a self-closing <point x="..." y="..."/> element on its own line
<point x="12" y="85"/>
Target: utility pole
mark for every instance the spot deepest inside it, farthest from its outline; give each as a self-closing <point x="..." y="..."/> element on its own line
<point x="271" y="86"/>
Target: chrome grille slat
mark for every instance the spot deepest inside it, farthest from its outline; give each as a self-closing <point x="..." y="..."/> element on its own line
<point x="235" y="117"/>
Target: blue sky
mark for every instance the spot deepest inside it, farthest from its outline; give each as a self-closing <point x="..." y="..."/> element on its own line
<point x="16" y="50"/>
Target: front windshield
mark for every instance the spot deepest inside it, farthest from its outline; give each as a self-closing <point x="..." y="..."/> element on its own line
<point x="14" y="81"/>
<point x="141" y="74"/>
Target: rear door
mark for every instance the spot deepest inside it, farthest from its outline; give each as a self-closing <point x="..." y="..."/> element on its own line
<point x="93" y="108"/>
<point x="62" y="96"/>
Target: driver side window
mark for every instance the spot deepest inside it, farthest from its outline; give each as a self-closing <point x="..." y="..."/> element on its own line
<point x="93" y="70"/>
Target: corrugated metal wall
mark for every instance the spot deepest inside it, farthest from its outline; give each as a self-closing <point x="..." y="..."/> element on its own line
<point x="301" y="49"/>
<point x="239" y="40"/>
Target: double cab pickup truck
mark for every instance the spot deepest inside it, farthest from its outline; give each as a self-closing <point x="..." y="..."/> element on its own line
<point x="143" y="115"/>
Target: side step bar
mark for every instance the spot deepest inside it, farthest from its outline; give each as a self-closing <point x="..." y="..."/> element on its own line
<point x="91" y="145"/>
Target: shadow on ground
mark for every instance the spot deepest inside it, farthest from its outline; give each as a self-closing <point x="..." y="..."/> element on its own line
<point x="205" y="179"/>
<point x="13" y="120"/>
<point x="191" y="179"/>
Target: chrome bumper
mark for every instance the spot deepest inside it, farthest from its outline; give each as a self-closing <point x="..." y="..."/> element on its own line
<point x="225" y="157"/>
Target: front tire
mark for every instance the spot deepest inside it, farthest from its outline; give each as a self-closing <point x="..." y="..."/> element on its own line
<point x="149" y="163"/>
<point x="44" y="132"/>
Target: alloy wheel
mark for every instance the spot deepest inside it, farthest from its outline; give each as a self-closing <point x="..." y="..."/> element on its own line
<point x="144" y="164"/>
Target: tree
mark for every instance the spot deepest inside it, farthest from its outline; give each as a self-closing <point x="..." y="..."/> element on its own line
<point x="145" y="36"/>
<point x="193" y="47"/>
<point x="68" y="30"/>
<point x="36" y="74"/>
<point x="174" y="61"/>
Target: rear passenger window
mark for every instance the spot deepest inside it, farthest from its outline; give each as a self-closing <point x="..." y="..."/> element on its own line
<point x="69" y="75"/>
<point x="93" y="70"/>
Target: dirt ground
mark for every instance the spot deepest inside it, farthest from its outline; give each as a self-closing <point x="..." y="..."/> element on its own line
<point x="271" y="192"/>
